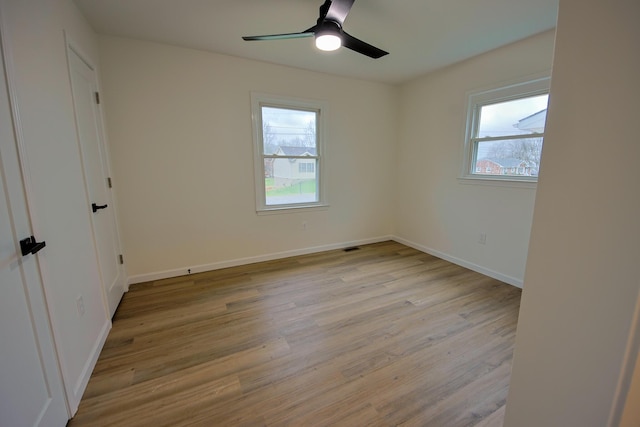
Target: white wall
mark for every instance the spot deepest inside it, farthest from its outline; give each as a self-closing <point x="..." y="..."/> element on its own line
<point x="435" y="211"/>
<point x="179" y="124"/>
<point x="39" y="79"/>
<point x="581" y="282"/>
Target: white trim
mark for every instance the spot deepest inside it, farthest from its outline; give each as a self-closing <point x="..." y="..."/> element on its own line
<point x="466" y="264"/>
<point x="81" y="385"/>
<point x="176" y="272"/>
<point x="292" y="209"/>
<point x="531" y="85"/>
<point x="75" y="47"/>
<point x="498" y="182"/>
<point x="257" y="100"/>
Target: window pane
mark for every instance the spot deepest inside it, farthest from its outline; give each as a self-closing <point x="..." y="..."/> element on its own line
<point x="514" y="157"/>
<point x="517" y="117"/>
<point x="288" y="153"/>
<point x="282" y="127"/>
<point x="289" y="180"/>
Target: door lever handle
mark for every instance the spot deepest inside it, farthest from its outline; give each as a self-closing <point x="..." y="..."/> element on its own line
<point x="95" y="207"/>
<point x="30" y="246"/>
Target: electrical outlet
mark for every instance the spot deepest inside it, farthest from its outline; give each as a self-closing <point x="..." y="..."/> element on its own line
<point x="482" y="238"/>
<point x="80" y="305"/>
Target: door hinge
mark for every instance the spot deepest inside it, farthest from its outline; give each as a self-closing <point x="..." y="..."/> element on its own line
<point x="109" y="182"/>
<point x="97" y="97"/>
<point x="121" y="258"/>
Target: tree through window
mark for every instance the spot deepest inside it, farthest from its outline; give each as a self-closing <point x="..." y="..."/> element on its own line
<point x="288" y="148"/>
<point x="505" y="131"/>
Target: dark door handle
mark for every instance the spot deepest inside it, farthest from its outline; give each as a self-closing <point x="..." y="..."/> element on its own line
<point x="95" y="207"/>
<point x="30" y="246"/>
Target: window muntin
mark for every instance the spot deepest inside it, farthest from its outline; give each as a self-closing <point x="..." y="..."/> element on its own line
<point x="288" y="153"/>
<point x="505" y="132"/>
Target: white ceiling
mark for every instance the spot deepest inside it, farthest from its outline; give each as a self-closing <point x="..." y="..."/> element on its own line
<point x="421" y="35"/>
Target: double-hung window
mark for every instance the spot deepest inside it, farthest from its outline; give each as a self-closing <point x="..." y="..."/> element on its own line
<point x="505" y="131"/>
<point x="288" y="152"/>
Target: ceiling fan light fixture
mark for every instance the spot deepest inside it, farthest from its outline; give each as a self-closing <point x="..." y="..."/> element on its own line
<point x="328" y="36"/>
<point x="328" y="42"/>
<point x="328" y="31"/>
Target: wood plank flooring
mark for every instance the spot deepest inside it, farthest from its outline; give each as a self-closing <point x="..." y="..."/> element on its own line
<point x="381" y="336"/>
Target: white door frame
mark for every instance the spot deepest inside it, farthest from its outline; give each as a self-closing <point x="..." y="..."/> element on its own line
<point x="74" y="49"/>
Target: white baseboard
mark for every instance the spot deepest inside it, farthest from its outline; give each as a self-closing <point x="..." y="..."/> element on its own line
<point x="75" y="396"/>
<point x="166" y="274"/>
<point x="466" y="264"/>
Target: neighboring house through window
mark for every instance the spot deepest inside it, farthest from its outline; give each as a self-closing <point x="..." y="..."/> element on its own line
<point x="505" y="131"/>
<point x="306" y="167"/>
<point x="288" y="153"/>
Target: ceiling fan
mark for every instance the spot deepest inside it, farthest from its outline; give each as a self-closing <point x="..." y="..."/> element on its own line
<point x="328" y="31"/>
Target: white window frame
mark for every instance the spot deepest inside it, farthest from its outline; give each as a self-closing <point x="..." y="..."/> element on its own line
<point x="259" y="100"/>
<point x="529" y="87"/>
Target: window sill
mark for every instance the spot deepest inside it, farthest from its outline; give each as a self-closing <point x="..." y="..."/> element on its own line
<point x="291" y="209"/>
<point x="498" y="182"/>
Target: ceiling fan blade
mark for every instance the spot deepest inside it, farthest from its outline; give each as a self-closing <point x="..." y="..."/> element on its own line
<point x="359" y="46"/>
<point x="338" y="10"/>
<point x="307" y="33"/>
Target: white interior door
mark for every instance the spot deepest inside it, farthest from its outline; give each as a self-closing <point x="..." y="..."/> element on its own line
<point x="31" y="392"/>
<point x="94" y="158"/>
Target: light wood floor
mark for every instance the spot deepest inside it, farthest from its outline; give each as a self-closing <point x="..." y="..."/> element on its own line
<point x="380" y="336"/>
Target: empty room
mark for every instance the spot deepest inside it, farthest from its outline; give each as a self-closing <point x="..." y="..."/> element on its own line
<point x="340" y="213"/>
